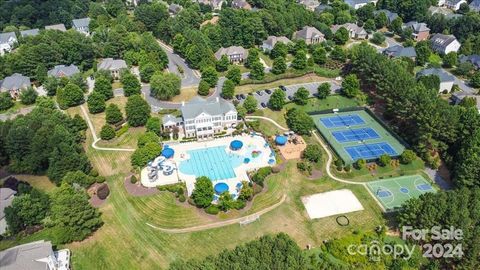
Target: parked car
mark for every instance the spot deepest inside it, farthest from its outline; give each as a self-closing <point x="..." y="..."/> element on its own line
<point x="290" y="98"/>
<point x="260" y="93"/>
<point x="238" y="97"/>
<point x="268" y="91"/>
<point x="263" y="104"/>
<point x="283" y="88"/>
<point x="243" y="96"/>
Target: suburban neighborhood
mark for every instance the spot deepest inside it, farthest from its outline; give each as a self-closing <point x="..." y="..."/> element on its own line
<point x="239" y="134"/>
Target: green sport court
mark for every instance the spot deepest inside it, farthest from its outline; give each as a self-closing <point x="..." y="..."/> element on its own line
<point x="357" y="135"/>
<point x="393" y="192"/>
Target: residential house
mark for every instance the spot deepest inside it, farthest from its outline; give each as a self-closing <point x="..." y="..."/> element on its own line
<point x="448" y="13"/>
<point x="310" y="35"/>
<point x="59" y="27"/>
<point x="454" y="4"/>
<point x="356" y="4"/>
<point x="420" y="31"/>
<point x="446" y="80"/>
<point x="390" y="15"/>
<point x="113" y="65"/>
<point x="82" y="25"/>
<point x="174" y="9"/>
<point x="474" y="59"/>
<point x="475" y="5"/>
<point x="203" y="118"/>
<point x="214" y="4"/>
<point x="6" y="199"/>
<point x="457" y="97"/>
<point x="241" y="4"/>
<point x="400" y="51"/>
<point x="235" y="54"/>
<point x="354" y="31"/>
<point x="321" y="8"/>
<point x="37" y="255"/>
<point x="309" y="4"/>
<point x="63" y="71"/>
<point x="444" y="44"/>
<point x="30" y="32"/>
<point x="270" y="42"/>
<point x="7" y="40"/>
<point x="14" y="84"/>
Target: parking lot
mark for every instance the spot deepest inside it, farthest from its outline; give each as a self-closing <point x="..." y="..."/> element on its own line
<point x="262" y="96"/>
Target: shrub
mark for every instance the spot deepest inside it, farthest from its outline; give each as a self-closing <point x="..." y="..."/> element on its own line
<point x="212" y="210"/>
<point x="203" y="193"/>
<point x="113" y="114"/>
<point x="384" y="160"/>
<point x="100" y="179"/>
<point x="153" y="125"/>
<point x="312" y="153"/>
<point x="133" y="179"/>
<point x="305" y="167"/>
<point x="103" y="191"/>
<point x="239" y="204"/>
<point x="348" y="167"/>
<point x="107" y="132"/>
<point x="6" y="101"/>
<point x="28" y="96"/>
<point x="261" y="174"/>
<point x="408" y="156"/>
<point x="182" y="198"/>
<point x="360" y="164"/>
<point x="203" y="88"/>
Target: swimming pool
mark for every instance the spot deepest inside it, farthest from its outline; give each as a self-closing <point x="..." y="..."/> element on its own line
<point x="215" y="162"/>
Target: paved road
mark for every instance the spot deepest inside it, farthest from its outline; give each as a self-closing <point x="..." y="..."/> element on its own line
<point x="189" y="77"/>
<point x="263" y="97"/>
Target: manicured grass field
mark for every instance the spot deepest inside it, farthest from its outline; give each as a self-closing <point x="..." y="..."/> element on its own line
<point x="248" y="88"/>
<point x="393" y="192"/>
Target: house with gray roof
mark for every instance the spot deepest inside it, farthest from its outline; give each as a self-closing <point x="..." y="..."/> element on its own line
<point x="235" y="54"/>
<point x="14" y="84"/>
<point x="63" y="71"/>
<point x="474" y="59"/>
<point x="37" y="255"/>
<point x="454" y="4"/>
<point x="174" y="9"/>
<point x="82" y="25"/>
<point x="457" y="97"/>
<point x="59" y="27"/>
<point x="390" y="15"/>
<point x="6" y="199"/>
<point x="420" y="31"/>
<point x="475" y="5"/>
<point x="400" y="51"/>
<point x="270" y="42"/>
<point x="241" y="4"/>
<point x="354" y="31"/>
<point x="356" y="4"/>
<point x="214" y="4"/>
<point x="30" y="32"/>
<point x="321" y="8"/>
<point x="309" y="4"/>
<point x="7" y="41"/>
<point x="310" y="35"/>
<point x="113" y="65"/>
<point x="446" y="80"/>
<point x="444" y="44"/>
<point x="203" y="118"/>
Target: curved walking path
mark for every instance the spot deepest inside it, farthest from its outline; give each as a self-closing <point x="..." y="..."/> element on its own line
<point x="221" y="223"/>
<point x="94" y="135"/>
<point x="267" y="119"/>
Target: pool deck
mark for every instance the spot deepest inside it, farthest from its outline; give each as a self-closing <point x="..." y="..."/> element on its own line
<point x="181" y="154"/>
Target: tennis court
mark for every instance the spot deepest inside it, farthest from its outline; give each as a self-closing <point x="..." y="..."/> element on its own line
<point x="342" y="121"/>
<point x="355" y="135"/>
<point x="370" y="151"/>
<point x="352" y="135"/>
<point x="393" y="192"/>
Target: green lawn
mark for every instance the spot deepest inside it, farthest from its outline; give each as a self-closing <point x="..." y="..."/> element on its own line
<point x="17" y="105"/>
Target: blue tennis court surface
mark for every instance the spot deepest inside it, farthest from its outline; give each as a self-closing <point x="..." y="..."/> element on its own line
<point x="342" y="121"/>
<point x="352" y="135"/>
<point x="370" y="151"/>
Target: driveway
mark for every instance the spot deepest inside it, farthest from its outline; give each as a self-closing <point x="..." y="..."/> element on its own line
<point x="290" y="90"/>
<point x="189" y="77"/>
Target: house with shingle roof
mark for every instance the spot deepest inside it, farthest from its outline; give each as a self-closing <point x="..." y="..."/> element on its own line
<point x="38" y="255"/>
<point x="203" y="118"/>
<point x="30" y="32"/>
<point x="356" y="4"/>
<point x="321" y="8"/>
<point x="354" y="31"/>
<point x="63" y="71"/>
<point x="446" y="80"/>
<point x="174" y="9"/>
<point x="270" y="42"/>
<point x="474" y="59"/>
<point x="235" y="54"/>
<point x="444" y="44"/>
<point x="309" y="4"/>
<point x="214" y="4"/>
<point x="82" y="25"/>
<point x="7" y="41"/>
<point x="241" y="4"/>
<point x="59" y="27"/>
<point x="14" y="84"/>
<point x="454" y="4"/>
<point x="390" y="15"/>
<point x="457" y="97"/>
<point x="420" y="31"/>
<point x="475" y="5"/>
<point x="400" y="51"/>
<point x="115" y="66"/>
<point x="6" y="199"/>
<point x="310" y="35"/>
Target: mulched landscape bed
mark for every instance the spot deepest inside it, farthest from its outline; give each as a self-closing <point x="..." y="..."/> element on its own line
<point x="138" y="190"/>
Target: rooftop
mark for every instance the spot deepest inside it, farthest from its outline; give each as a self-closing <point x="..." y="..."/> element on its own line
<point x="59" y="27"/>
<point x="231" y="51"/>
<point x="28" y="256"/>
<point x="308" y="32"/>
<point x="112" y="64"/>
<point x="63" y="71"/>
<point x="81" y="23"/>
<point x="212" y="106"/>
<point x="15" y="82"/>
<point x="7" y="37"/>
<point x="441" y="40"/>
<point x="442" y="74"/>
<point x="30" y="32"/>
<point x="400" y="51"/>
